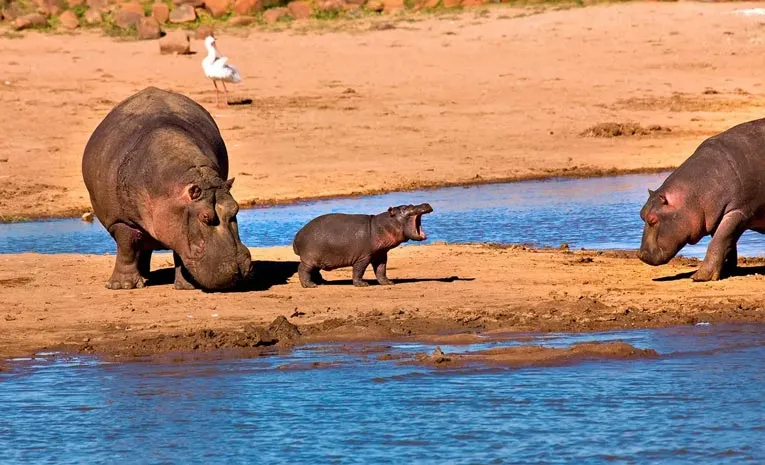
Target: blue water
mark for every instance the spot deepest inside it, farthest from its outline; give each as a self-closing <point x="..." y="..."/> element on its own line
<point x="701" y="402"/>
<point x="597" y="213"/>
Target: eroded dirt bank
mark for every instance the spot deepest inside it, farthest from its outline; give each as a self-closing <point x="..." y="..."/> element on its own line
<point x="59" y="301"/>
<point x="457" y="98"/>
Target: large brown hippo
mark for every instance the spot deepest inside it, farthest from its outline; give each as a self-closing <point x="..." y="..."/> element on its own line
<point x="719" y="190"/>
<point x="156" y="170"/>
<point x="338" y="240"/>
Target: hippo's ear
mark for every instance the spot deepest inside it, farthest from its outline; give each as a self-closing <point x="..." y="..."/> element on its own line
<point x="650" y="193"/>
<point x="228" y="184"/>
<point x="391" y="211"/>
<point x="192" y="192"/>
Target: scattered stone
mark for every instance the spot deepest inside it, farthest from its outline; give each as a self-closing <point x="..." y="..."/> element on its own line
<point x="183" y="14"/>
<point x="69" y="20"/>
<point x="92" y="16"/>
<point x="275" y="14"/>
<point x="29" y="21"/>
<point x="148" y="29"/>
<point x="11" y="12"/>
<point x="48" y="7"/>
<point x="102" y="6"/>
<point x="175" y="42"/>
<point x="332" y="5"/>
<point x="375" y="5"/>
<point x="241" y="20"/>
<point x="160" y="12"/>
<point x="87" y="217"/>
<point x="247" y="7"/>
<point x="217" y="8"/>
<point x="193" y="3"/>
<point x="392" y="6"/>
<point x="130" y="15"/>
<point x="203" y="31"/>
<point x="381" y="26"/>
<point x="300" y="9"/>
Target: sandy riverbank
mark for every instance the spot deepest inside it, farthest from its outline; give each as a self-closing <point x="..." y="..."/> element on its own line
<point x="59" y="301"/>
<point x="451" y="99"/>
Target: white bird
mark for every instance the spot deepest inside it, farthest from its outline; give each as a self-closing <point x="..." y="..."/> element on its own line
<point x="217" y="68"/>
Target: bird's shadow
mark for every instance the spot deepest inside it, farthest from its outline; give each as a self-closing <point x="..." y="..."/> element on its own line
<point x="244" y="101"/>
<point x="738" y="271"/>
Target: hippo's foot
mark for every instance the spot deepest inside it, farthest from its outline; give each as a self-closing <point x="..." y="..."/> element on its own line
<point x="181" y="283"/>
<point x="125" y="281"/>
<point x="705" y="274"/>
<point x="360" y="283"/>
<point x="308" y="284"/>
<point x="385" y="282"/>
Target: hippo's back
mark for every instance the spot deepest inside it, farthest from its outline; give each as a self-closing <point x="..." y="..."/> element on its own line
<point x="132" y="121"/>
<point x="332" y="232"/>
<point x="146" y="140"/>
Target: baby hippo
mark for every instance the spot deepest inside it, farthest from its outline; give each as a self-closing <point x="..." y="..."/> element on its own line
<point x="338" y="240"/>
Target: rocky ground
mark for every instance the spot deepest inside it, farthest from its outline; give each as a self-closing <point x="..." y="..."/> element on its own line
<point x="396" y="102"/>
<point x="60" y="302"/>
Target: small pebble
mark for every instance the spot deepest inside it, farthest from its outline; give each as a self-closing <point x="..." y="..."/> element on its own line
<point x="215" y="315"/>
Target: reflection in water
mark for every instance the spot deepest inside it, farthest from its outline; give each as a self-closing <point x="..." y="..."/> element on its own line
<point x="599" y="213"/>
<point x="701" y="403"/>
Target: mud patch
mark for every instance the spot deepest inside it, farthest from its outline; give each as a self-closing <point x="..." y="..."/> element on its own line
<point x="15" y="282"/>
<point x="527" y="356"/>
<point x="679" y="102"/>
<point x="610" y="129"/>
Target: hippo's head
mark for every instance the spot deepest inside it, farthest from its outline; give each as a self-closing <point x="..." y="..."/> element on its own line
<point x="409" y="217"/>
<point x="671" y="222"/>
<point x="211" y="250"/>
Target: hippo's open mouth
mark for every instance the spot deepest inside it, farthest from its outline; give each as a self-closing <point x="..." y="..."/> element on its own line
<point x="418" y="227"/>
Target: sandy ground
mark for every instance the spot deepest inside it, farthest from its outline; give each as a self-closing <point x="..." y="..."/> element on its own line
<point x="59" y="302"/>
<point x="458" y="98"/>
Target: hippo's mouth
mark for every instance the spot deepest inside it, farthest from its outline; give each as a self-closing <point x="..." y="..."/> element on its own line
<point x="418" y="228"/>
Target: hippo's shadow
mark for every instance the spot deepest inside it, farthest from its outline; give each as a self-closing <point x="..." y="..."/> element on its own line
<point x="264" y="275"/>
<point x="373" y="282"/>
<point x="738" y="271"/>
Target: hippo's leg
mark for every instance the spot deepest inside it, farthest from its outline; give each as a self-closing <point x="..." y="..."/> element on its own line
<point x="181" y="282"/>
<point x="125" y="274"/>
<point x="305" y="273"/>
<point x="317" y="277"/>
<point x="358" y="272"/>
<point x="144" y="263"/>
<point x="380" y="264"/>
<point x="721" y="247"/>
<point x="731" y="261"/>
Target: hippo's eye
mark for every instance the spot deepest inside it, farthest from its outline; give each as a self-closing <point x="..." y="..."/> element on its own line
<point x="205" y="217"/>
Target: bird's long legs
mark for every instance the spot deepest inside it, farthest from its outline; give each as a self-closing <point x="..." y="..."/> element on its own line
<point x="216" y="93"/>
<point x="225" y="91"/>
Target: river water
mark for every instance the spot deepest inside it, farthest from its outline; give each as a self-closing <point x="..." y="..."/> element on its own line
<point x="597" y="213"/>
<point x="701" y="402"/>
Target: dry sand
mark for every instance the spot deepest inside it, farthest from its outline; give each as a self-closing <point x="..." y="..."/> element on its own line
<point x="60" y="302"/>
<point x="457" y="98"/>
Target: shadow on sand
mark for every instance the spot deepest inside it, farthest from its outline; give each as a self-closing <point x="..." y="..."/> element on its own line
<point x="738" y="271"/>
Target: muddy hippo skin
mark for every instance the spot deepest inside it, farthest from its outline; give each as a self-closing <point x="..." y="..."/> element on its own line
<point x="156" y="171"/>
<point x="719" y="190"/>
<point x="338" y="240"/>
